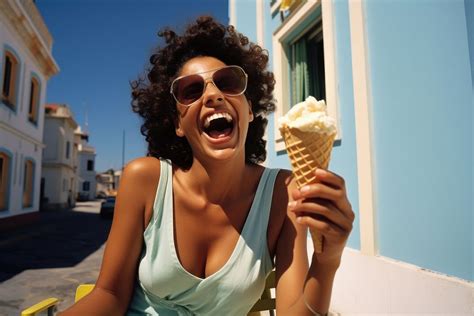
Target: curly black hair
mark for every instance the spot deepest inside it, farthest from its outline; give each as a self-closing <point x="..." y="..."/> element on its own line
<point x="152" y="100"/>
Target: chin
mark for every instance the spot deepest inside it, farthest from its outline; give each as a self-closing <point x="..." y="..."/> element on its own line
<point x="223" y="155"/>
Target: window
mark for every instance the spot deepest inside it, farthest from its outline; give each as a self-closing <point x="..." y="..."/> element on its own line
<point x="90" y="165"/>
<point x="28" y="184"/>
<point x="4" y="180"/>
<point x="9" y="80"/>
<point x="68" y="145"/>
<point x="34" y="100"/>
<point x="307" y="66"/>
<point x="304" y="60"/>
<point x="86" y="186"/>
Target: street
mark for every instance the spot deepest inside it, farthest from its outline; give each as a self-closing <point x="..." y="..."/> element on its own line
<point x="51" y="257"/>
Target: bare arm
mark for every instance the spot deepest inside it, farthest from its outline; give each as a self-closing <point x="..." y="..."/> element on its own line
<point x="114" y="286"/>
<point x="324" y="207"/>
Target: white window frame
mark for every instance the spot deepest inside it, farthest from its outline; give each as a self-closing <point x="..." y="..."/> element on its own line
<point x="281" y="63"/>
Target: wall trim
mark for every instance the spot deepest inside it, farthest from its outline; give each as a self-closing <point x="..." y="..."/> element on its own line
<point x="260" y="22"/>
<point x="363" y="128"/>
<point x="232" y="13"/>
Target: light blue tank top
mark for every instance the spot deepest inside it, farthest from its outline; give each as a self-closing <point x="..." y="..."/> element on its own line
<point x="165" y="288"/>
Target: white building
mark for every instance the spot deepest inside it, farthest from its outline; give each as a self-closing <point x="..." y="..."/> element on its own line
<point x="105" y="184"/>
<point x="86" y="182"/>
<point x="26" y="64"/>
<point x="59" y="188"/>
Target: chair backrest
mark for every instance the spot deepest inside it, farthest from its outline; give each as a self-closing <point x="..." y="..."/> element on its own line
<point x="82" y="290"/>
<point x="265" y="303"/>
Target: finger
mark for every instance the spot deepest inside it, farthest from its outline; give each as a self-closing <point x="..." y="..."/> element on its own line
<point x="322" y="211"/>
<point x="324" y="228"/>
<point x="320" y="190"/>
<point x="331" y="178"/>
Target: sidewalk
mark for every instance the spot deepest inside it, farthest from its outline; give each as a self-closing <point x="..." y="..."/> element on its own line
<point x="51" y="257"/>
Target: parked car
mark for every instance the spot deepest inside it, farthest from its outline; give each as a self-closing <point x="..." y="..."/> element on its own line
<point x="107" y="207"/>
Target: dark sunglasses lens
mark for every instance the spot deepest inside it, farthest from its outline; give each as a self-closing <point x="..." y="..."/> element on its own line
<point x="188" y="89"/>
<point x="230" y="80"/>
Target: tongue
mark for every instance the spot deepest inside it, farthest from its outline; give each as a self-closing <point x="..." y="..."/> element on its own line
<point x="219" y="134"/>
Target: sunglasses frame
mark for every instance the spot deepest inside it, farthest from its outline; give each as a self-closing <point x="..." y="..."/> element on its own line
<point x="211" y="79"/>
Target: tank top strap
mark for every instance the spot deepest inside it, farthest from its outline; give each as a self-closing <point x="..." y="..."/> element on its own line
<point x="163" y="196"/>
<point x="258" y="217"/>
<point x="267" y="195"/>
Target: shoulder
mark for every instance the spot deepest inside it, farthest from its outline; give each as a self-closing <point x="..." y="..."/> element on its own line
<point x="143" y="164"/>
<point x="138" y="184"/>
<point x="142" y="169"/>
<point x="141" y="175"/>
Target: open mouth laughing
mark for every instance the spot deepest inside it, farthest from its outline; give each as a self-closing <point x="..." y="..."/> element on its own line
<point x="218" y="125"/>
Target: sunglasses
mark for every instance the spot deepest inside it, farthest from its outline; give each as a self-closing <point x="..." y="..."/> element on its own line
<point x="230" y="80"/>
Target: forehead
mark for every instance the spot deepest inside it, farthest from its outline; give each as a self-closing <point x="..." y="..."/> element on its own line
<point x="200" y="64"/>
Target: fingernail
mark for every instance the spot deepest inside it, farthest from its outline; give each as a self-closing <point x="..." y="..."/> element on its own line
<point x="292" y="204"/>
<point x="304" y="189"/>
<point x="299" y="219"/>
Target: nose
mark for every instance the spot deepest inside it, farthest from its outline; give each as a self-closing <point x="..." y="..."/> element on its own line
<point x="212" y="96"/>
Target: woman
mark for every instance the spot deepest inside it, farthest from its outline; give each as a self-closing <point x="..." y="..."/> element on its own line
<point x="196" y="230"/>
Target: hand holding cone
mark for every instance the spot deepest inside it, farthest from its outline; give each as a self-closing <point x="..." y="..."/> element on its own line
<point x="308" y="149"/>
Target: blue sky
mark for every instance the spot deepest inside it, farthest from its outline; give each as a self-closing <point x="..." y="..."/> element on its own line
<point x="100" y="46"/>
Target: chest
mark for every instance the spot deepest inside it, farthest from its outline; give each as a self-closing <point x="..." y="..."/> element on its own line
<point x="205" y="235"/>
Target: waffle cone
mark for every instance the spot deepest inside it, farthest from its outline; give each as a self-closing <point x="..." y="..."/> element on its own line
<point x="308" y="151"/>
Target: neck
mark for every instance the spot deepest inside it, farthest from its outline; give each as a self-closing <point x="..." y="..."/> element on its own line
<point x="215" y="182"/>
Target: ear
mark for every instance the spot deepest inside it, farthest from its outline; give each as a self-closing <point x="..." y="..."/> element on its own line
<point x="179" y="131"/>
<point x="250" y="111"/>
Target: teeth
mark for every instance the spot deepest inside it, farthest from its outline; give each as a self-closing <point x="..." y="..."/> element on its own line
<point x="208" y="120"/>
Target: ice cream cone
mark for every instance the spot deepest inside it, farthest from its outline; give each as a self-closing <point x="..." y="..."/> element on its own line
<point x="308" y="151"/>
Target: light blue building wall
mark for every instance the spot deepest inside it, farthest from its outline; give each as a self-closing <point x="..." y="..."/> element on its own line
<point x="421" y="82"/>
<point x="422" y="117"/>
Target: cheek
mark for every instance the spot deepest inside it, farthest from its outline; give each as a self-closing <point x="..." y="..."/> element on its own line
<point x="187" y="122"/>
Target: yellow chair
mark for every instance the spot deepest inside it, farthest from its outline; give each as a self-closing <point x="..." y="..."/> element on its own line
<point x="49" y="305"/>
<point x="82" y="290"/>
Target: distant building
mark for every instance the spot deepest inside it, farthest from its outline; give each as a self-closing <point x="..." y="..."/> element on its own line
<point x="106" y="183"/>
<point x="26" y="64"/>
<point x="86" y="175"/>
<point x="59" y="184"/>
<point x="117" y="176"/>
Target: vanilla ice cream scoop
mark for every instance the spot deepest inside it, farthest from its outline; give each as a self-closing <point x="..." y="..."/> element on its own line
<point x="309" y="116"/>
